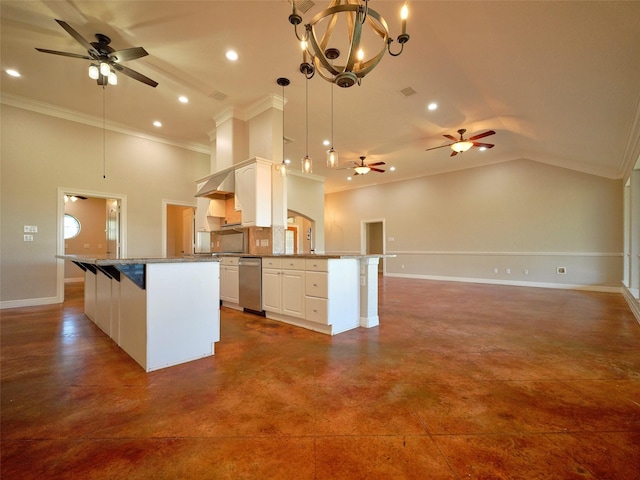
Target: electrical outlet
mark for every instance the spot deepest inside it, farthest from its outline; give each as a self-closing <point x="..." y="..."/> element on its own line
<point x="30" y="229"/>
<point x="508" y="271"/>
<point x="526" y="271"/>
<point x="28" y="238"/>
<point x="495" y="270"/>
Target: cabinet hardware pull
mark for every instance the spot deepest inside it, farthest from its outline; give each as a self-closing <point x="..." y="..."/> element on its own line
<point x="315" y="284"/>
<point x="315" y="310"/>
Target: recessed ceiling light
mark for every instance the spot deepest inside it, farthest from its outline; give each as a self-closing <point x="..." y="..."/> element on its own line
<point x="183" y="99"/>
<point x="13" y="73"/>
<point x="157" y="124"/>
<point x="349" y="178"/>
<point x="393" y="169"/>
<point x="432" y="106"/>
<point x="482" y="149"/>
<point x="326" y="143"/>
<point x="231" y="55"/>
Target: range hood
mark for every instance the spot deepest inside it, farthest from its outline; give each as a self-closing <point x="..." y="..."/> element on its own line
<point x="218" y="185"/>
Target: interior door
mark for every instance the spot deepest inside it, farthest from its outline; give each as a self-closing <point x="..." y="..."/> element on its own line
<point x="188" y="229"/>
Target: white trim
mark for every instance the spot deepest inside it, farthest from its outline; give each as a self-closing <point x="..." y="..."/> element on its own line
<point x="507" y="254"/>
<point x="632" y="301"/>
<point x="73" y="116"/>
<point x="515" y="283"/>
<point x="28" y="302"/>
<point x="74" y="280"/>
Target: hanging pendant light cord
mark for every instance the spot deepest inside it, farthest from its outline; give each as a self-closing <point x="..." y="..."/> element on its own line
<point x="307" y="115"/>
<point x="104" y="133"/>
<point x="283" y="124"/>
<point x="332" y="115"/>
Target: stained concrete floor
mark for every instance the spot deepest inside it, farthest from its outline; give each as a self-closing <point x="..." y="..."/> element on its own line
<point x="458" y="381"/>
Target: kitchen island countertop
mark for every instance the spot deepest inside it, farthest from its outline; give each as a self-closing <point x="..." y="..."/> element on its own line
<point x="105" y="260"/>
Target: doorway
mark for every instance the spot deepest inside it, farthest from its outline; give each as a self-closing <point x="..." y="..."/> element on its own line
<point x="100" y="229"/>
<point x="373" y="241"/>
<point x="178" y="221"/>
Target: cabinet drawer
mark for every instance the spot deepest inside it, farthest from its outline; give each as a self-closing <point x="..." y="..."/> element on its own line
<point x="317" y="264"/>
<point x="316" y="284"/>
<point x="271" y="262"/>
<point x="231" y="261"/>
<point x="316" y="310"/>
<point x="292" y="263"/>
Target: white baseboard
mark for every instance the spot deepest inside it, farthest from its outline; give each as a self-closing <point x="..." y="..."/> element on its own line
<point x="29" y="302"/>
<point x="632" y="301"/>
<point x="515" y="283"/>
<point x="74" y="280"/>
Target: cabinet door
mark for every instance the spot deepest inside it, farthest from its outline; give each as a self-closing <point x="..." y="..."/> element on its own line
<point x="231" y="284"/>
<point x="271" y="290"/>
<point x="293" y="293"/>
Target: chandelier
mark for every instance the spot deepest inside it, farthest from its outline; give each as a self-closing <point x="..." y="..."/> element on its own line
<point x="362" y="25"/>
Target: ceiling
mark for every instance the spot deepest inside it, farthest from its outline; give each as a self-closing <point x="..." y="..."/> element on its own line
<point x="559" y="82"/>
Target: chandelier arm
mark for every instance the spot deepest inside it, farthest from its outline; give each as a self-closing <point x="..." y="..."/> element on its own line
<point x="389" y="42"/>
<point x="300" y="39"/>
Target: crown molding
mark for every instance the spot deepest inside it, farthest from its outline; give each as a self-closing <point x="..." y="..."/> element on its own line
<point x="74" y="116"/>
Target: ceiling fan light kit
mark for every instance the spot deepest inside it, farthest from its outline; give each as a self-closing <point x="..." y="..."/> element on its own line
<point x="318" y="45"/>
<point x="104" y="59"/>
<point x="462" y="145"/>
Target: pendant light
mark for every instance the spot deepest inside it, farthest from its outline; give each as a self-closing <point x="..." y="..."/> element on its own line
<point x="281" y="168"/>
<point x="307" y="163"/>
<point x="332" y="155"/>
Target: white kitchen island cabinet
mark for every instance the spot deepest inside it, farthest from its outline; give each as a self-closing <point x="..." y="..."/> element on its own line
<point x="167" y="309"/>
<point x="283" y="286"/>
<point x="317" y="294"/>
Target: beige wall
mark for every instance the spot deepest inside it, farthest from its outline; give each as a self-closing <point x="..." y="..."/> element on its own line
<point x="518" y="215"/>
<point x="41" y="153"/>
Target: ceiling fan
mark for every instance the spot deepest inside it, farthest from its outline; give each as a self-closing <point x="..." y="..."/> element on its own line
<point x="461" y="145"/>
<point x="363" y="168"/>
<point x="106" y="59"/>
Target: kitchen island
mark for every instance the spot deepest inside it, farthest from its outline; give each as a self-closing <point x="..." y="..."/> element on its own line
<point x="326" y="293"/>
<point x="161" y="311"/>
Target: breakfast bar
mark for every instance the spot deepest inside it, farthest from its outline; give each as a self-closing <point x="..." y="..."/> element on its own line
<point x="161" y="311"/>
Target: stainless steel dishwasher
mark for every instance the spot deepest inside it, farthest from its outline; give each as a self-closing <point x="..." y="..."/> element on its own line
<point x="250" y="273"/>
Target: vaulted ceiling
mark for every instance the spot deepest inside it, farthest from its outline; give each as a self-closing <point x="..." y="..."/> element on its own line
<point x="559" y="82"/>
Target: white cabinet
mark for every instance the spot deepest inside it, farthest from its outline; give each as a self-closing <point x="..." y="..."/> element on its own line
<point x="283" y="289"/>
<point x="229" y="281"/>
<point x="253" y="193"/>
<point x="331" y="293"/>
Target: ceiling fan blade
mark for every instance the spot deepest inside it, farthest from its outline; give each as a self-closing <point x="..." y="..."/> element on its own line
<point x="373" y="169"/>
<point x="135" y="75"/>
<point x="64" y="54"/>
<point x="127" y="54"/>
<point x="441" y="146"/>
<point x="451" y="137"/>
<point x="485" y="145"/>
<point x="453" y="153"/>
<point x="79" y="38"/>
<point x="374" y="164"/>
<point x="482" y="135"/>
